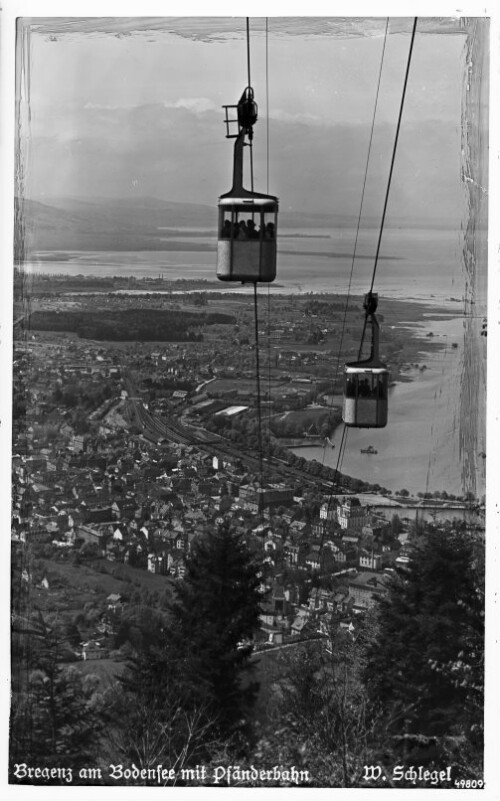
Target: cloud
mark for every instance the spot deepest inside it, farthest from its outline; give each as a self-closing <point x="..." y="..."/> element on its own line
<point x="198" y="105"/>
<point x="178" y="152"/>
<point x="100" y="107"/>
<point x="306" y="119"/>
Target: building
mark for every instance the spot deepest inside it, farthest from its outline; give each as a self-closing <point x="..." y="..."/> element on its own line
<point x="366" y="588"/>
<point x="262" y="498"/>
<point x="93" y="650"/>
<point x="351" y="515"/>
<point x="93" y="536"/>
<point x="114" y="602"/>
<point x="370" y="560"/>
<point x="328" y="511"/>
<point x="160" y="564"/>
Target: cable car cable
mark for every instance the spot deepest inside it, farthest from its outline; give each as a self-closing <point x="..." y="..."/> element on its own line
<point x="249" y="85"/>
<point x="370" y="302"/>
<point x="257" y="374"/>
<point x="359" y="218"/>
<point x="269" y="394"/>
<point x="391" y="168"/>
<point x="245" y="253"/>
<point x="334" y="493"/>
<point x="366" y="382"/>
<point x="267" y="104"/>
<point x="248" y="51"/>
<point x="344" y="440"/>
<point x="393" y="159"/>
<point x="255" y="297"/>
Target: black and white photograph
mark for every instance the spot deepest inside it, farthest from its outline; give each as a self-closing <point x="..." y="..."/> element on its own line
<point x="249" y="266"/>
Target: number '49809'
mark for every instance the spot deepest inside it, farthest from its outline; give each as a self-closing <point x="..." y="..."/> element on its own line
<point x="469" y="784"/>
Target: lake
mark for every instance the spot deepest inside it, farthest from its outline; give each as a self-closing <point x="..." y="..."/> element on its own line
<point x="414" y="263"/>
<point x="424" y="446"/>
<point x="436" y="429"/>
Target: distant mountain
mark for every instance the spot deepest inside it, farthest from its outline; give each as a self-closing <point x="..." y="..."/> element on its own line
<point x="146" y="214"/>
<point x="73" y="223"/>
<point x="108" y="224"/>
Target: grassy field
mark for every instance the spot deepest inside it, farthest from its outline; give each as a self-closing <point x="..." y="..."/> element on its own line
<point x="304" y="417"/>
<point x="71" y="586"/>
<point x="243" y="384"/>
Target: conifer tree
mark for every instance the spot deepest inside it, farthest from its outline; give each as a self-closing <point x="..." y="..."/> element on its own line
<point x="151" y="719"/>
<point x="55" y="714"/>
<point x="322" y="702"/>
<point x="214" y="614"/>
<point x="426" y="667"/>
<point x="192" y="687"/>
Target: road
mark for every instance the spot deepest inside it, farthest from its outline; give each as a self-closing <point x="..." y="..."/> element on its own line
<point x="284" y="645"/>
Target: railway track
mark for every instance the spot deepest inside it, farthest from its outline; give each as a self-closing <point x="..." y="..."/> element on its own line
<point x="156" y="429"/>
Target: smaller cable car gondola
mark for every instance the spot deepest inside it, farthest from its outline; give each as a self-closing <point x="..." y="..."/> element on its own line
<point x="248" y="221"/>
<point x="366" y="382"/>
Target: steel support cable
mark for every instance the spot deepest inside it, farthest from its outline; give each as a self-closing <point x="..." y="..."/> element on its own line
<point x="268" y="286"/>
<point x="344" y="433"/>
<point x="333" y="493"/>
<point x="257" y="371"/>
<point x="267" y="103"/>
<point x="256" y="315"/>
<point x="249" y="78"/>
<point x="251" y="166"/>
<point x="248" y="51"/>
<point x="391" y="169"/>
<point x="269" y="395"/>
<point x="393" y="159"/>
<point x="359" y="218"/>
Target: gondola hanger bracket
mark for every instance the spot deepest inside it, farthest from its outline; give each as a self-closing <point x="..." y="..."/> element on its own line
<point x="370" y="303"/>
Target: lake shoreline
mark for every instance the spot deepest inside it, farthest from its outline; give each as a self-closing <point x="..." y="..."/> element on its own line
<point x="419" y="450"/>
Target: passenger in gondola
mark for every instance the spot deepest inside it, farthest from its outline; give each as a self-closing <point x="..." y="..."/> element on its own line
<point x="252" y="231"/>
<point x="380" y="390"/>
<point x="351" y="388"/>
<point x="270" y="230"/>
<point x="243" y="230"/>
<point x="226" y="230"/>
<point x="364" y="388"/>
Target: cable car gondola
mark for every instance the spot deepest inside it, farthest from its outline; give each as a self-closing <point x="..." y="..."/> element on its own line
<point x="248" y="220"/>
<point x="366" y="382"/>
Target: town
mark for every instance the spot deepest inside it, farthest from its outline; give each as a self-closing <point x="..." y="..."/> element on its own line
<point x="127" y="452"/>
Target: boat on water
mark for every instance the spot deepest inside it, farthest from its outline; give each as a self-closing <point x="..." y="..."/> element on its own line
<point x="369" y="449"/>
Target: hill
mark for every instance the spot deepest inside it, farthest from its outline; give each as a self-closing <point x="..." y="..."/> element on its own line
<point x="108" y="224"/>
<point x="113" y="224"/>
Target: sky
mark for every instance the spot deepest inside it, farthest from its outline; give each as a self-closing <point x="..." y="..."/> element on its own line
<point x="124" y="107"/>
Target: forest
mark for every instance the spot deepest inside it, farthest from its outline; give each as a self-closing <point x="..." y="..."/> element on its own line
<point x="405" y="687"/>
<point x="129" y="324"/>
